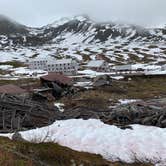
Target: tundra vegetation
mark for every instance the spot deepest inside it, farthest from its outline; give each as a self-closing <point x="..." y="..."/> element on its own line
<point x="16" y="153"/>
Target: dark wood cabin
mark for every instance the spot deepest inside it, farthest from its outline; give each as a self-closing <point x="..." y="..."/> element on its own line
<point x="58" y="82"/>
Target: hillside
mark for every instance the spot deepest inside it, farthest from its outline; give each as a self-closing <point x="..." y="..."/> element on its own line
<point x="14" y="153"/>
<point x="81" y="38"/>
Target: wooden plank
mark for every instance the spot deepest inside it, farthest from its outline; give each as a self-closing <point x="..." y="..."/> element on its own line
<point x="3" y="119"/>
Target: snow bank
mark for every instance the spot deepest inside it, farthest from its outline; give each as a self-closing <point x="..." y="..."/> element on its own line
<point x="117" y="77"/>
<point x="5" y="67"/>
<point x="111" y="142"/>
<point x="94" y="73"/>
<point x="127" y="101"/>
<point x="157" y="72"/>
<point x="26" y="71"/>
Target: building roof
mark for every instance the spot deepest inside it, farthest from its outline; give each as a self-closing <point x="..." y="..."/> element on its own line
<point x="55" y="77"/>
<point x="95" y="63"/>
<point x="60" y="61"/>
<point x="11" y="89"/>
<point x="123" y="67"/>
<point x="52" y="60"/>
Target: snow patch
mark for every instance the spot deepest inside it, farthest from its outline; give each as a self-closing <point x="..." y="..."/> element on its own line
<point x="113" y="143"/>
<point x="59" y="106"/>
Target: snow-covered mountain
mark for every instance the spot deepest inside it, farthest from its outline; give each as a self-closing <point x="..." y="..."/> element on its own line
<point x="83" y="38"/>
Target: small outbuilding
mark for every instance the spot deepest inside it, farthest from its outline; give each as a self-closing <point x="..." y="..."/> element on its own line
<point x="98" y="65"/>
<point x="102" y="81"/>
<point x="123" y="67"/>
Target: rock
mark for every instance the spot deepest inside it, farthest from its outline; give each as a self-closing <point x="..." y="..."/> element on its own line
<point x="17" y="137"/>
<point x="125" y="127"/>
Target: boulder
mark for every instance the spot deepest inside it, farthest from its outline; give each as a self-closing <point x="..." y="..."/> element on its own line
<point x="17" y="137"/>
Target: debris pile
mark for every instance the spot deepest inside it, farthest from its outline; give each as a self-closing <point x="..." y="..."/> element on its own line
<point x="18" y="113"/>
<point x="152" y="113"/>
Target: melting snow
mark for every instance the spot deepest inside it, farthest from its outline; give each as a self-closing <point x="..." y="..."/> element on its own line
<point x="5" y="67"/>
<point x="113" y="143"/>
<point x="126" y="101"/>
<point x="59" y="106"/>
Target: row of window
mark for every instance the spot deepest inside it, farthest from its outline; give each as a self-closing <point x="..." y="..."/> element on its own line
<point x="45" y="63"/>
<point x="39" y="62"/>
<point x="65" y="64"/>
<point x="58" y="69"/>
<point x="61" y="69"/>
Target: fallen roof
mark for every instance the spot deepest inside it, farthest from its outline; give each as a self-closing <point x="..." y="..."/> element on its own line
<point x="11" y="89"/>
<point x="62" y="79"/>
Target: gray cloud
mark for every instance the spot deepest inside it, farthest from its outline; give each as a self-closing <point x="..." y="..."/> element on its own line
<point x="42" y="12"/>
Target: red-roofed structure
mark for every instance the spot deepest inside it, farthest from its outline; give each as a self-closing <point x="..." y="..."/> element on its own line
<point x="60" y="79"/>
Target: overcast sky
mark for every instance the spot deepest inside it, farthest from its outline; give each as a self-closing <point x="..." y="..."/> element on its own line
<point x="42" y="12"/>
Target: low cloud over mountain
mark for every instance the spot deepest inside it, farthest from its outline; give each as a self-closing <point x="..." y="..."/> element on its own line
<point x="142" y="12"/>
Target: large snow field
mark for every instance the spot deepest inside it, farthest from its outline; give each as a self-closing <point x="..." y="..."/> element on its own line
<point x="113" y="143"/>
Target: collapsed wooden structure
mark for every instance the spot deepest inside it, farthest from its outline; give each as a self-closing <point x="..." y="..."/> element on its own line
<point x="150" y="113"/>
<point x="61" y="85"/>
<point x="17" y="113"/>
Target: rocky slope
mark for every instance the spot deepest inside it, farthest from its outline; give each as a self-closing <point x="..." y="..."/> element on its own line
<point x="81" y="37"/>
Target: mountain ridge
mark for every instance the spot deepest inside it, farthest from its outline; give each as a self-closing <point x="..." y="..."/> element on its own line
<point x="81" y="24"/>
<point x="81" y="38"/>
